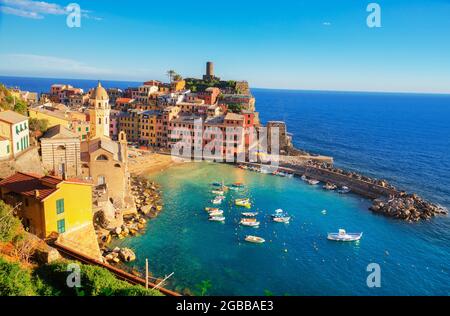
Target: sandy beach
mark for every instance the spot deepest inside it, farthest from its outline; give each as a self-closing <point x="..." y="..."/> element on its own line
<point x="141" y="162"/>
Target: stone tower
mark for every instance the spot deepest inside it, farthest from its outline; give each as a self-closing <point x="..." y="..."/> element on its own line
<point x="99" y="112"/>
<point x="123" y="149"/>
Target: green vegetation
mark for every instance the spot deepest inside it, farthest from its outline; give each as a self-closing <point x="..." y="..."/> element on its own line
<point x="203" y="287"/>
<point x="196" y="85"/>
<point x="8" y="102"/>
<point x="9" y="224"/>
<point x="51" y="280"/>
<point x="38" y="125"/>
<point x="235" y="107"/>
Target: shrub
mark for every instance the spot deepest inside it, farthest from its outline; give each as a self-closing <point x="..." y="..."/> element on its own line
<point x="15" y="281"/>
<point x="9" y="225"/>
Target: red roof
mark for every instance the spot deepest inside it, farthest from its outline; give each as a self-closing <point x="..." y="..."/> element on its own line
<point x="26" y="184"/>
<point x="123" y="100"/>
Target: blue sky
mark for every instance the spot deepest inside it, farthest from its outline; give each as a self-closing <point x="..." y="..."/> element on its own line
<point x="296" y="44"/>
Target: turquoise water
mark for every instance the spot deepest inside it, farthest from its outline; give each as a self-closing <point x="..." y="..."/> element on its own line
<point x="297" y="259"/>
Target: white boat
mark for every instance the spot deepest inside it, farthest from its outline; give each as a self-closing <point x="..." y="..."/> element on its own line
<point x="217" y="219"/>
<point x="344" y="190"/>
<point x="278" y="213"/>
<point x="216" y="213"/>
<point x="304" y="178"/>
<point x="255" y="239"/>
<point x="313" y="182"/>
<point x="251" y="222"/>
<point x="284" y="220"/>
<point x="324" y="212"/>
<point x="211" y="209"/>
<point x="217" y="200"/>
<point x="330" y="186"/>
<point x="250" y="214"/>
<point x="342" y="235"/>
<point x="218" y="192"/>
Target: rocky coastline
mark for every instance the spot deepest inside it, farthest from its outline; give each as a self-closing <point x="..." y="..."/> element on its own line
<point x="401" y="205"/>
<point x="147" y="198"/>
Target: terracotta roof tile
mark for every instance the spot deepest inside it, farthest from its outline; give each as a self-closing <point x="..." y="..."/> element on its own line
<point x="27" y="184"/>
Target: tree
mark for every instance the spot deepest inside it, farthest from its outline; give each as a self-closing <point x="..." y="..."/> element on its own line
<point x="171" y="74"/>
<point x="38" y="125"/>
<point x="9" y="224"/>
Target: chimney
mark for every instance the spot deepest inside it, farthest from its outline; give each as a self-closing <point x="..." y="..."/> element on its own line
<point x="36" y="194"/>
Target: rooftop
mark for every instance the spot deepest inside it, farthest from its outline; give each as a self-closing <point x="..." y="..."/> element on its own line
<point x="12" y="117"/>
<point x="59" y="132"/>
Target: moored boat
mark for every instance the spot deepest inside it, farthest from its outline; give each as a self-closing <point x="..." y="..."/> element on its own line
<point x="330" y="186"/>
<point x="218" y="200"/>
<point x="344" y="190"/>
<point x="313" y="182"/>
<point x="211" y="209"/>
<point x="255" y="239"/>
<point x="243" y="203"/>
<point x="249" y="222"/>
<point x="250" y="214"/>
<point x="218" y="192"/>
<point x="217" y="219"/>
<point x="278" y="213"/>
<point x="342" y="235"/>
<point x="284" y="220"/>
<point x="216" y="213"/>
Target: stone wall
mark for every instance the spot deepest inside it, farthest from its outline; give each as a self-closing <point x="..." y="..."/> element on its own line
<point x="28" y="162"/>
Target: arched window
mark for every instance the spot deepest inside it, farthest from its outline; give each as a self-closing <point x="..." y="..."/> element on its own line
<point x="61" y="147"/>
<point x="117" y="165"/>
<point x="99" y="121"/>
<point x="102" y="158"/>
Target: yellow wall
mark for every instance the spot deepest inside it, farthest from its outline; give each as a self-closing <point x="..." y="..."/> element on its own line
<point x="52" y="120"/>
<point x="77" y="207"/>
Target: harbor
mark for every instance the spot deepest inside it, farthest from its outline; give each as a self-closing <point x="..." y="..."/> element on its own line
<point x="295" y="258"/>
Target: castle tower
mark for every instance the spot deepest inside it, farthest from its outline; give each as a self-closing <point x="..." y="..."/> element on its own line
<point x="123" y="146"/>
<point x="99" y="112"/>
<point x="210" y="69"/>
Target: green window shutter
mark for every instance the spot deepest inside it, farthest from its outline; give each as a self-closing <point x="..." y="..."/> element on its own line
<point x="60" y="206"/>
<point x="61" y="224"/>
<point x="7" y="149"/>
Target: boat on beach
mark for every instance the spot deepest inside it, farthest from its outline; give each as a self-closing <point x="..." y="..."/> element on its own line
<point x="342" y="235"/>
<point x="250" y="214"/>
<point x="255" y="239"/>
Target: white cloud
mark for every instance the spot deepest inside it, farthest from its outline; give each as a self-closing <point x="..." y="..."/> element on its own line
<point x="326" y="23"/>
<point x="37" y="9"/>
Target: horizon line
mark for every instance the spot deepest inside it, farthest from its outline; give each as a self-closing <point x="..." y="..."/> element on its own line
<point x="260" y="88"/>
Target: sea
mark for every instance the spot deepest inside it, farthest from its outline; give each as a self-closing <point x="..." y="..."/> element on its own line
<point x="403" y="138"/>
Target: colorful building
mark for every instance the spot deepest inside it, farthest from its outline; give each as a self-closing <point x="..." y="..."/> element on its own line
<point x="14" y="134"/>
<point x="47" y="204"/>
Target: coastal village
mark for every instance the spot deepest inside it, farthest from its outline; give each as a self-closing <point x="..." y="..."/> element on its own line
<point x="72" y="162"/>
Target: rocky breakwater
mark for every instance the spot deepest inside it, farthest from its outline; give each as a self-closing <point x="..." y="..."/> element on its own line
<point x="147" y="198"/>
<point x="409" y="207"/>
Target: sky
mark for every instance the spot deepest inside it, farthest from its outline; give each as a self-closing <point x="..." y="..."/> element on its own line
<point x="286" y="44"/>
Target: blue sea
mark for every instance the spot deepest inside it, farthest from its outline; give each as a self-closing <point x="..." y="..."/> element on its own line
<point x="403" y="138"/>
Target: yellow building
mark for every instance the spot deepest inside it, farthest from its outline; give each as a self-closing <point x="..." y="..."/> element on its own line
<point x="53" y="117"/>
<point x="47" y="204"/>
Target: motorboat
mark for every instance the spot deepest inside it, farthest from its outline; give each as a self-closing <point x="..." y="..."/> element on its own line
<point x="255" y="239"/>
<point x="313" y="182"/>
<point x="344" y="190"/>
<point x="342" y="235"/>
<point x="216" y="213"/>
<point x="324" y="212"/>
<point x="251" y="222"/>
<point x="284" y="220"/>
<point x="216" y="184"/>
<point x="250" y="214"/>
<point x="243" y="202"/>
<point x="238" y="185"/>
<point x="304" y="178"/>
<point x="217" y="219"/>
<point x="330" y="186"/>
<point x="211" y="209"/>
<point x="278" y="213"/>
<point x="218" y="192"/>
<point x="218" y="200"/>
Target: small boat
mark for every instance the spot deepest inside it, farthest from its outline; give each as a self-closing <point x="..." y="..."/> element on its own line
<point x="324" y="212"/>
<point x="304" y="178"/>
<point x="217" y="200"/>
<point x="344" y="236"/>
<point x="243" y="203"/>
<point x="284" y="220"/>
<point x="211" y="209"/>
<point x="216" y="184"/>
<point x="250" y="214"/>
<point x="278" y="213"/>
<point x="251" y="222"/>
<point x="313" y="182"/>
<point x="238" y="185"/>
<point x="217" y="219"/>
<point x="216" y="213"/>
<point x="243" y="167"/>
<point x="255" y="239"/>
<point x="218" y="192"/>
<point x="344" y="190"/>
<point x="330" y="186"/>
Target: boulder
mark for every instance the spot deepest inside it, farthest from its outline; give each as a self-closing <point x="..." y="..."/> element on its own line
<point x="127" y="255"/>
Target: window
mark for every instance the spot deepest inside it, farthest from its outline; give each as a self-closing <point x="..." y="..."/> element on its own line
<point x="60" y="206"/>
<point x="79" y="129"/>
<point x="7" y="149"/>
<point x="61" y="226"/>
<point x="102" y="157"/>
<point x="87" y="129"/>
